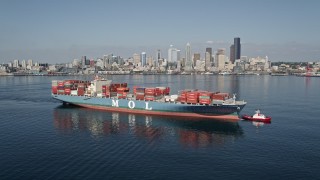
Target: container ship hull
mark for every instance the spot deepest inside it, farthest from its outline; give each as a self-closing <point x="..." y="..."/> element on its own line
<point x="225" y="112"/>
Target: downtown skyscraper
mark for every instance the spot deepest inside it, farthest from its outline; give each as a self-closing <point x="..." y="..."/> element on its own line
<point x="188" y="64"/>
<point x="173" y="54"/>
<point x="235" y="50"/>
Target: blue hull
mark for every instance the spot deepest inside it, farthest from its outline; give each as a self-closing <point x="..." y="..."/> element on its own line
<point x="227" y="112"/>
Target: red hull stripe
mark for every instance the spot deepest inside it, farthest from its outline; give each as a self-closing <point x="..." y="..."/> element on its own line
<point x="230" y="118"/>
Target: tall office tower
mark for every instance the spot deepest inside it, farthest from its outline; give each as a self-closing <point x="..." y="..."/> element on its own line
<point x="105" y="60"/>
<point x="30" y="62"/>
<point x="232" y="53"/>
<point x="188" y="62"/>
<point x="143" y="59"/>
<point x="173" y="54"/>
<point x="150" y="61"/>
<point x="220" y="59"/>
<point x="158" y="54"/>
<point x="209" y="50"/>
<point x="83" y="61"/>
<point x="87" y="62"/>
<point x="237" y="48"/>
<point x="157" y="58"/>
<point x="170" y="54"/>
<point x="24" y="64"/>
<point x="208" y="60"/>
<point x="91" y="62"/>
<point x="196" y="56"/>
<point x="136" y="59"/>
<point x="16" y="63"/>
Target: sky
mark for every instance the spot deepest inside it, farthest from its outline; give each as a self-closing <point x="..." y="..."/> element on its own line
<point x="57" y="31"/>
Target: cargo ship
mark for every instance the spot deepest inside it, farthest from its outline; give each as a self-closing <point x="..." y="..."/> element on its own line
<point x="116" y="97"/>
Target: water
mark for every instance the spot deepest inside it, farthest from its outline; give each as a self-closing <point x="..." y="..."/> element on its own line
<point x="41" y="139"/>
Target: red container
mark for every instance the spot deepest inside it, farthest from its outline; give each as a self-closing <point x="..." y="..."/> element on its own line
<point x="67" y="91"/>
<point x="135" y="89"/>
<point x="54" y="89"/>
<point x="220" y="96"/>
<point x="167" y="91"/>
<point x="105" y="88"/>
<point x="106" y="94"/>
<point x="193" y="94"/>
<point x="151" y="91"/>
<point x="123" y="89"/>
<point x="182" y="100"/>
<point x="192" y="101"/>
<point x="207" y="101"/>
<point x="60" y="83"/>
<point x="150" y="98"/>
<point x="80" y="92"/>
<point x="139" y="97"/>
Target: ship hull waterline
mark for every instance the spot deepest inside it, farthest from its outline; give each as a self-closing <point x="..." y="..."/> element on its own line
<point x="233" y="116"/>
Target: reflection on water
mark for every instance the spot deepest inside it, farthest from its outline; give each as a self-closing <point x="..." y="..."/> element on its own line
<point x="191" y="132"/>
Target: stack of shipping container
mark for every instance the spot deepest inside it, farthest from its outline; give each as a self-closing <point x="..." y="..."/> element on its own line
<point x="81" y="89"/>
<point x="67" y="86"/>
<point x="54" y="87"/>
<point x="205" y="97"/>
<point x="139" y="93"/>
<point x="60" y="87"/>
<point x="109" y="91"/>
<point x="122" y="92"/>
<point x="201" y="97"/>
<point x="150" y="93"/>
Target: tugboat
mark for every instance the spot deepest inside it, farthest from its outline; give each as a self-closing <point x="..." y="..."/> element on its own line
<point x="258" y="117"/>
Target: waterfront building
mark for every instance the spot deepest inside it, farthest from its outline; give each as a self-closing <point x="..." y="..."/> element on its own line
<point x="76" y="63"/>
<point x="188" y="61"/>
<point x="100" y="63"/>
<point x="200" y="66"/>
<point x="178" y="65"/>
<point x="260" y="64"/>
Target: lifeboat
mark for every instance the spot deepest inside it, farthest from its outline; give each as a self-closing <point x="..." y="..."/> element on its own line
<point x="258" y="117"/>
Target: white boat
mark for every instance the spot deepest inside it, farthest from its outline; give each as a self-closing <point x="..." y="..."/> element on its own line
<point x="225" y="73"/>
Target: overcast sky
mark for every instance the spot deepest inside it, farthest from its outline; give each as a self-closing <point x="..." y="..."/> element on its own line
<point x="63" y="30"/>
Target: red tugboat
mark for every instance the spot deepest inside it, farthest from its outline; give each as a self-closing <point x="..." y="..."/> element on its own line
<point x="258" y="117"/>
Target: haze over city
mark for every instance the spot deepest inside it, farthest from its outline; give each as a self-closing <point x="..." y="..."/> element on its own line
<point x="59" y="31"/>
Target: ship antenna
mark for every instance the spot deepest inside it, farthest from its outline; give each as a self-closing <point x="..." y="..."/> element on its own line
<point x="234" y="97"/>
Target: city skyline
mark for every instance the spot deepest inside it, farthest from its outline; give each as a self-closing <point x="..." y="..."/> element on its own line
<point x="59" y="31"/>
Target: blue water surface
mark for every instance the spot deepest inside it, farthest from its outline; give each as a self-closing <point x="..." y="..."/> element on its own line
<point x="42" y="139"/>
